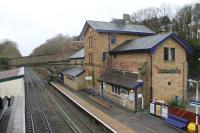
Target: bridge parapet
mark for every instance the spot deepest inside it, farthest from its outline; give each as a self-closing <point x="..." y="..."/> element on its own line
<point x="40" y="59"/>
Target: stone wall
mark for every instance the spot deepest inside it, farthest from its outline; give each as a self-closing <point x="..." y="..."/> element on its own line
<point x="76" y="62"/>
<point x="39" y="59"/>
<point x="101" y="43"/>
<point x="75" y="83"/>
<point x="119" y="99"/>
<point x="129" y="61"/>
<point x="141" y="63"/>
<point x="162" y="90"/>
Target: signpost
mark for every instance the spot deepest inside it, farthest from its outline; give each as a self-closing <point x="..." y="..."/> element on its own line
<point x="196" y="104"/>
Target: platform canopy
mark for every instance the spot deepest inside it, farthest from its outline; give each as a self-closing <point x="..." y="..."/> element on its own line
<point x="74" y="71"/>
<point x="121" y="78"/>
<point x="12" y="83"/>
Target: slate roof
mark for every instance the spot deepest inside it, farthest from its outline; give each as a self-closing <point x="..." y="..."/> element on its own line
<point x="149" y="43"/>
<point x="74" y="71"/>
<point x="11" y="73"/>
<point x="78" y="55"/>
<point x="117" y="27"/>
<point x="127" y="80"/>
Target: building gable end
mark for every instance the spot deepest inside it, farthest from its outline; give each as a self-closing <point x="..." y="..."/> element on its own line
<point x="180" y="41"/>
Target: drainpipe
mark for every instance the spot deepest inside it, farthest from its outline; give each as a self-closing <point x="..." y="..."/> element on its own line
<point x="108" y="42"/>
<point x="101" y="88"/>
<point x="109" y="57"/>
<point x="183" y="82"/>
<point x="9" y="102"/>
<point x="1" y="103"/>
<point x="151" y="89"/>
<point x="136" y="96"/>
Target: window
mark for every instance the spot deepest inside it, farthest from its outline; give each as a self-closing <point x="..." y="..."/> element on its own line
<point x="113" y="39"/>
<point x="82" y="63"/>
<point x="124" y="91"/>
<point x="104" y="56"/>
<point x="90" y="58"/>
<point x="90" y="42"/>
<point x="115" y="89"/>
<point x="118" y="90"/>
<point x="115" y="55"/>
<point x="173" y="54"/>
<point x="169" y="83"/>
<point x="166" y="54"/>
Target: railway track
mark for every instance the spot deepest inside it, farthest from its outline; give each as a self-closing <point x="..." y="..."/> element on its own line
<point x="71" y="118"/>
<point x="41" y="117"/>
<point x="36" y="118"/>
<point x="86" y="123"/>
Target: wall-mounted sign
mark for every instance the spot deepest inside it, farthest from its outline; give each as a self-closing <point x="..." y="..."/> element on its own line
<point x="173" y="70"/>
<point x="139" y="95"/>
<point x="88" y="78"/>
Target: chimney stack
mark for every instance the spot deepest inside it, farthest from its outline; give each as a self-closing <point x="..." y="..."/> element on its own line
<point x="126" y="17"/>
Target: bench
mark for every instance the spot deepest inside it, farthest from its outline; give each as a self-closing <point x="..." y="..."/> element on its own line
<point x="176" y="121"/>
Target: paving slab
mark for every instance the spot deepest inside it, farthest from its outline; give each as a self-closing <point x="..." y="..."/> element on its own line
<point x="17" y="118"/>
<point x="113" y="124"/>
<point x="141" y="122"/>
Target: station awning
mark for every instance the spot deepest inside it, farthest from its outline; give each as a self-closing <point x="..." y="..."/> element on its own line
<point x="123" y="79"/>
<point x="74" y="71"/>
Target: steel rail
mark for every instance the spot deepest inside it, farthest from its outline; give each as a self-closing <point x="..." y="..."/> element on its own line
<point x="43" y="84"/>
<point x="33" y="76"/>
<point x="41" y="108"/>
<point x="30" y="110"/>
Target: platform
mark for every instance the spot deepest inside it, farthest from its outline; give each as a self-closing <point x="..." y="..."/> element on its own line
<point x="17" y="118"/>
<point x="114" y="125"/>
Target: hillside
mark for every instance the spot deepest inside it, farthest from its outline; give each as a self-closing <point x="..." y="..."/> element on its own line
<point x="9" y="49"/>
<point x="59" y="43"/>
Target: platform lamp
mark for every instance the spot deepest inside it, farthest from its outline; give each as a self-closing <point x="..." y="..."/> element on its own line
<point x="197" y="109"/>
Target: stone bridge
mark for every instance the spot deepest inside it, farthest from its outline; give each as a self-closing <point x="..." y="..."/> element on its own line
<point x="40" y="59"/>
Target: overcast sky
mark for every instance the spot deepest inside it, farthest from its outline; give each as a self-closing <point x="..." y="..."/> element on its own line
<point x="31" y="22"/>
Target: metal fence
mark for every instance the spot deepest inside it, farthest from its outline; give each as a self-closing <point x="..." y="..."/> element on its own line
<point x="98" y="94"/>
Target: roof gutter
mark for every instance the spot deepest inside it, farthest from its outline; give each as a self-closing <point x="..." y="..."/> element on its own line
<point x="124" y="32"/>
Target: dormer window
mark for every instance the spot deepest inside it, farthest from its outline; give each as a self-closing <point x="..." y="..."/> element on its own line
<point x="113" y="39"/>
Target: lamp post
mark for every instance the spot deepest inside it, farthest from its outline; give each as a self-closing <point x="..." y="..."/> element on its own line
<point x="197" y="111"/>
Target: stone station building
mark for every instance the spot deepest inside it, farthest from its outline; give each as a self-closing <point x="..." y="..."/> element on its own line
<point x="132" y="64"/>
<point x="73" y="76"/>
